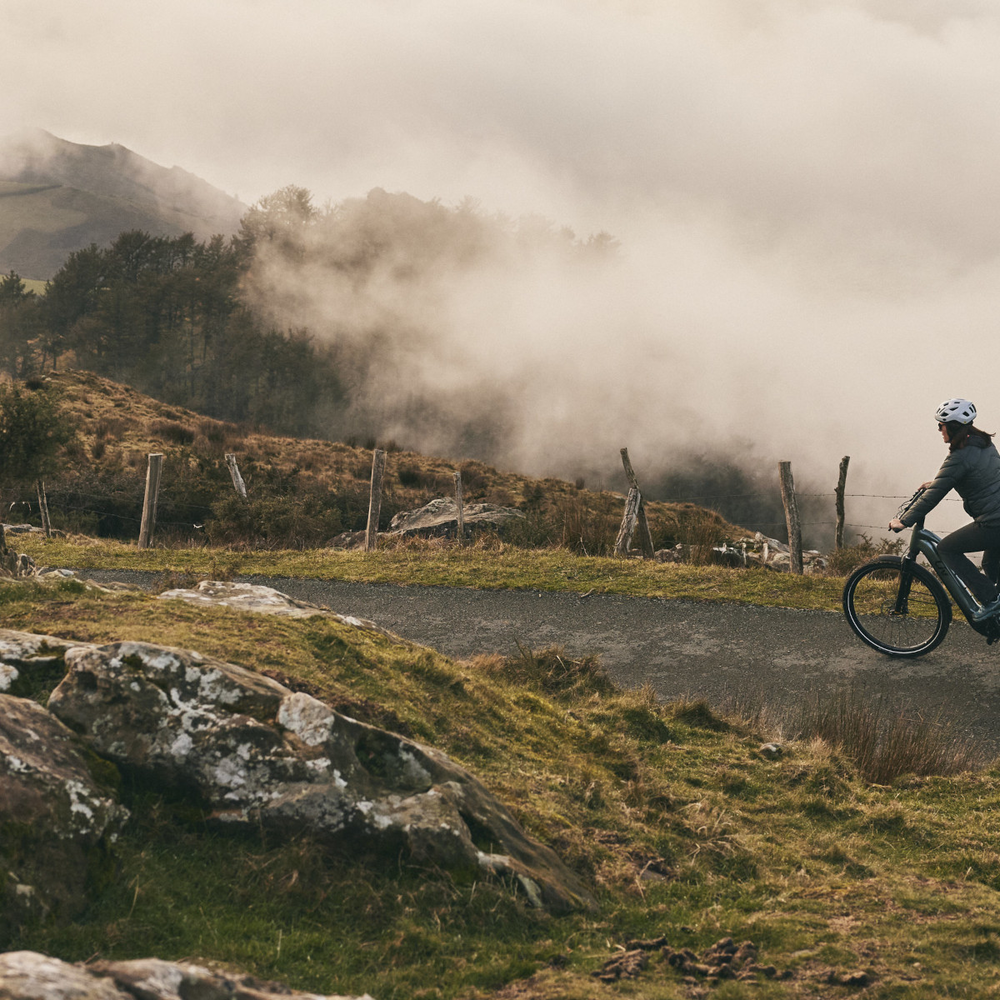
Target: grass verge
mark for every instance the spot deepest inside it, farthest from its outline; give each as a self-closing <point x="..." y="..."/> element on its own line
<point x="495" y="566"/>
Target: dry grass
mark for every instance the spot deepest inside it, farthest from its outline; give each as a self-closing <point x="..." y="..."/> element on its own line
<point x="887" y="742"/>
<point x="117" y="427"/>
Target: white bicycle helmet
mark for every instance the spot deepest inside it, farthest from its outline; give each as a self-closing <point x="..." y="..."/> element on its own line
<point x="962" y="411"/>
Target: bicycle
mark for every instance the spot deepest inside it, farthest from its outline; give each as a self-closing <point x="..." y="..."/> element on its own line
<point x="897" y="605"/>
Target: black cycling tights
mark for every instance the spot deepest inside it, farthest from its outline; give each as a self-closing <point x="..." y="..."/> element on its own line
<point x="974" y="538"/>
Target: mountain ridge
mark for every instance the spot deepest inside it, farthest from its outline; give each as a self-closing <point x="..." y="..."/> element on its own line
<point x="58" y="196"/>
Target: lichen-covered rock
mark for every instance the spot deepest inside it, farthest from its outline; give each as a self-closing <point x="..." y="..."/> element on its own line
<point x="58" y="816"/>
<point x="169" y="712"/>
<point x="28" y="661"/>
<point x="259" y="755"/>
<point x="263" y="600"/>
<point x="26" y="975"/>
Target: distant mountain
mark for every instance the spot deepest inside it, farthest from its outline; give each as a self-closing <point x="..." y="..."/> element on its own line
<point x="58" y="196"/>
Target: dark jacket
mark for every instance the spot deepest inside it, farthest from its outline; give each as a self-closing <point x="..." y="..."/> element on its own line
<point x="974" y="471"/>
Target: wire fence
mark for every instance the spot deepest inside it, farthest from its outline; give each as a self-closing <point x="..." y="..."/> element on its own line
<point x="709" y="499"/>
<point x="28" y="503"/>
<point x="84" y="505"/>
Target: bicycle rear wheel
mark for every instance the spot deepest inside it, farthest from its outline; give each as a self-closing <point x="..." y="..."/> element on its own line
<point x="897" y="613"/>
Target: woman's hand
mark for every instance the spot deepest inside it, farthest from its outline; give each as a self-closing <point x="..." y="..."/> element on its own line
<point x="896" y="525"/>
<point x="927" y="485"/>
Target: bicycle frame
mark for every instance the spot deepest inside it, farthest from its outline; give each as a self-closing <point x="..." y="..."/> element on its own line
<point x="925" y="542"/>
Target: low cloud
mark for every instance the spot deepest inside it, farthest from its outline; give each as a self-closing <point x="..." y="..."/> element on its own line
<point x="803" y="192"/>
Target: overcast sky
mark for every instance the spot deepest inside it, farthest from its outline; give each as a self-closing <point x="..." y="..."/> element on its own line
<point x="805" y="191"/>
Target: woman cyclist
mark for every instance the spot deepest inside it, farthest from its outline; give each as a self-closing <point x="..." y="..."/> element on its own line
<point x="972" y="468"/>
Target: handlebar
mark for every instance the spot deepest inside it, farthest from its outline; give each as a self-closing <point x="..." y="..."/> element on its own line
<point x="906" y="505"/>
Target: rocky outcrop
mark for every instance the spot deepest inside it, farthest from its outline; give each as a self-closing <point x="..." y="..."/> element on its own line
<point x="261" y="600"/>
<point x="247" y="749"/>
<point x="58" y="816"/>
<point x="756" y="551"/>
<point x="440" y="518"/>
<point x="26" y="975"/>
<point x="258" y="755"/>
<point x="437" y="520"/>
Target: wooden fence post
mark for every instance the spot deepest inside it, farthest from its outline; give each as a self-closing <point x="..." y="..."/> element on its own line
<point x="645" y="537"/>
<point x="375" y="501"/>
<point x="153" y="470"/>
<point x="791" y="516"/>
<point x="627" y="529"/>
<point x="43" y="508"/>
<point x="234" y="471"/>
<point x="841" y="486"/>
<point x="460" y="507"/>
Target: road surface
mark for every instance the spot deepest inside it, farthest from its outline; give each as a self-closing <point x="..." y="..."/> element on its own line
<point x="733" y="655"/>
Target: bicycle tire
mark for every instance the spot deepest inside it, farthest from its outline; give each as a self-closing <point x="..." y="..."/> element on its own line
<point x="871" y="599"/>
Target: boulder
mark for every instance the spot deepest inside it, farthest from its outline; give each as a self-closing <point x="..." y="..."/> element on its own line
<point x="59" y="816"/>
<point x="263" y="600"/>
<point x="28" y="660"/>
<point x="258" y="755"/>
<point x="26" y="975"/>
<point x="24" y="529"/>
<point x="440" y="517"/>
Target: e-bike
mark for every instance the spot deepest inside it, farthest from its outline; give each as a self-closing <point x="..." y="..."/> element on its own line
<point x="899" y="607"/>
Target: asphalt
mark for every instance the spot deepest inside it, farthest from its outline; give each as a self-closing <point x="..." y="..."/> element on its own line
<point x="731" y="654"/>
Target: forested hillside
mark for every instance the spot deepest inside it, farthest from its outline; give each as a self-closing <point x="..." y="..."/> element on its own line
<point x="384" y="318"/>
<point x="216" y="325"/>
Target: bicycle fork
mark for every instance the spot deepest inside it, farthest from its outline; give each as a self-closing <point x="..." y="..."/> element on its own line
<point x="902" y="606"/>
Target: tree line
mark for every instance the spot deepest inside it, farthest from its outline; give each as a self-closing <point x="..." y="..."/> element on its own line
<point x="164" y="315"/>
<point x="200" y="325"/>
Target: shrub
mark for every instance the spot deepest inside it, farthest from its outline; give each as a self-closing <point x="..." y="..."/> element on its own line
<point x="843" y="561"/>
<point x="102" y="502"/>
<point x="698" y="714"/>
<point x="173" y="431"/>
<point x="409" y="476"/>
<point x="474" y="477"/>
<point x="583" y="529"/>
<point x="696" y="528"/>
<point x="272" y="521"/>
<point x="32" y="430"/>
<point x="109" y="427"/>
<point x="214" y="431"/>
<point x="553" y="673"/>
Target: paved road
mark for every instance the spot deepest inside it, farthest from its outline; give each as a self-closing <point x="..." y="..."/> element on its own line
<point x="728" y="653"/>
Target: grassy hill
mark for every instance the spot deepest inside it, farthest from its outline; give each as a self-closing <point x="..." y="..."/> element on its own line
<point x="58" y="196"/>
<point x="303" y="492"/>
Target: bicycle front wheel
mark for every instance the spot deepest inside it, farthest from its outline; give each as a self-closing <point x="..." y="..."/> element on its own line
<point x="897" y="612"/>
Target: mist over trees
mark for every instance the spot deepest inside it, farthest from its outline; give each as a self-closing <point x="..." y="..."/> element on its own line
<point x="360" y="321"/>
<point x="233" y="328"/>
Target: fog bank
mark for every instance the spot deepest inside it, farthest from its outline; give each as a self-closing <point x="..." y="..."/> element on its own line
<point x="802" y="190"/>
